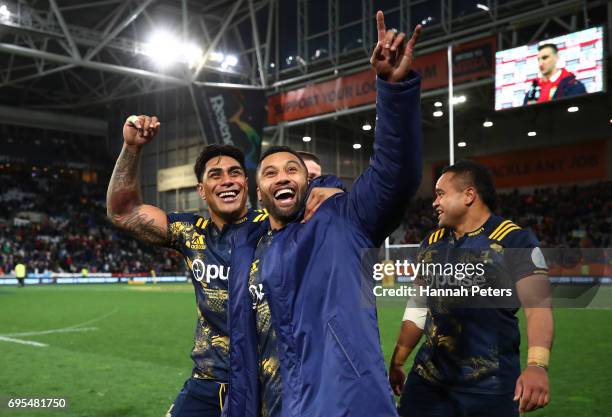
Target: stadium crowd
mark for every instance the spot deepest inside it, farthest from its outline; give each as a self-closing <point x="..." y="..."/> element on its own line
<point x="59" y="225"/>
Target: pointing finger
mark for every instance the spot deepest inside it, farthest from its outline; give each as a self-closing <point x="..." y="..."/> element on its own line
<point x="380" y="25"/>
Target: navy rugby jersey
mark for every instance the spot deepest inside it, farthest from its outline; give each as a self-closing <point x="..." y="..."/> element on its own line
<point x="267" y="343"/>
<point x="477" y="349"/>
<point x="207" y="254"/>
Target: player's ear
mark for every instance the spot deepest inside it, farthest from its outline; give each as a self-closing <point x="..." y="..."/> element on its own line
<point x="469" y="196"/>
<point x="200" y="188"/>
<point x="259" y="194"/>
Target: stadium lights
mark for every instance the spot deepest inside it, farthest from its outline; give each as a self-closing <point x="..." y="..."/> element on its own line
<point x="573" y="109"/>
<point x="483" y="7"/>
<point x="462" y="144"/>
<point x="216" y="57"/>
<point x="426" y="21"/>
<point x="166" y="49"/>
<point x="306" y="138"/>
<point x="459" y="100"/>
<point x="487" y="123"/>
<point x="438" y="113"/>
<point x="366" y="126"/>
<point x="438" y="104"/>
<point x="532" y="133"/>
<point x="231" y="60"/>
<point x="357" y="146"/>
<point x="4" y="11"/>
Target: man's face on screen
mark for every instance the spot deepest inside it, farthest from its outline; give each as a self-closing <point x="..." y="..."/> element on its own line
<point x="282" y="182"/>
<point x="450" y="204"/>
<point x="224" y="187"/>
<point x="547" y="60"/>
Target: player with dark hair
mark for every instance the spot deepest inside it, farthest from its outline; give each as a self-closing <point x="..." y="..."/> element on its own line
<point x="303" y="320"/>
<point x="204" y="243"/>
<point x="553" y="83"/>
<point x="313" y="164"/>
<point x="469" y="364"/>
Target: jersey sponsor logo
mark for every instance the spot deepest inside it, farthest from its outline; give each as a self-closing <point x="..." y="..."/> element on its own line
<point x="196" y="242"/>
<point x="257" y="293"/>
<point x="202" y="272"/>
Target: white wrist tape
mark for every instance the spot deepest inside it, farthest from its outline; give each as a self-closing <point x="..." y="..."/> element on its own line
<point x="417" y="315"/>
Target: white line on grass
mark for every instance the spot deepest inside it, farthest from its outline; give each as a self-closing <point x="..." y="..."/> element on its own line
<point x="75" y="328"/>
<point x="22" y="342"/>
<point x="43" y="332"/>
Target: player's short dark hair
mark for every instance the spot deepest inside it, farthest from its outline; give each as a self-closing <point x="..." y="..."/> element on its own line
<point x="307" y="156"/>
<point x="479" y="176"/>
<point x="276" y="149"/>
<point x="216" y="151"/>
<point x="549" y="45"/>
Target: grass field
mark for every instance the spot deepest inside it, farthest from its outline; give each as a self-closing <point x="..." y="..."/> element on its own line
<point x="119" y="350"/>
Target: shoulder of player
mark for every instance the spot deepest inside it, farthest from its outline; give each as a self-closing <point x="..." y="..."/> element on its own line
<point x="507" y="233"/>
<point x="188" y="219"/>
<point x="433" y="237"/>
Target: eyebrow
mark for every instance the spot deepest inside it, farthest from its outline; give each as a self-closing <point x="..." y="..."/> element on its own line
<point x="219" y="170"/>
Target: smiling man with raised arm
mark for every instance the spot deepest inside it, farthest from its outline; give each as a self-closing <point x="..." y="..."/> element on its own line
<point x="303" y="322"/>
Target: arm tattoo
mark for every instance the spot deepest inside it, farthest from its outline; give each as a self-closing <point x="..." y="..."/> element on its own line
<point x="125" y="174"/>
<point x="143" y="228"/>
<point x="124" y="198"/>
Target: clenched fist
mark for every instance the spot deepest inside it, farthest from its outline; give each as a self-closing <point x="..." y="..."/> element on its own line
<point x="139" y="130"/>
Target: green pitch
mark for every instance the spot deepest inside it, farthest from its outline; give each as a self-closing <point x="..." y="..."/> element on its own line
<point x="119" y="350"/>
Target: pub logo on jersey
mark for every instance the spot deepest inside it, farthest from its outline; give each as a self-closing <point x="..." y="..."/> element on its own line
<point x="202" y="272"/>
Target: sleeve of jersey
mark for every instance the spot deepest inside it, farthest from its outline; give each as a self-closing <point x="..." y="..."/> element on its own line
<point x="177" y="223"/>
<point x="380" y="195"/>
<point x="523" y="254"/>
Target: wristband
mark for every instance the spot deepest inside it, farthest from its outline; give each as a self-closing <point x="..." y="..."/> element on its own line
<point x="538" y="356"/>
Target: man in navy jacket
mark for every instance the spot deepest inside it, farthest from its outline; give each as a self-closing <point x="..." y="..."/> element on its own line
<point x="303" y="325"/>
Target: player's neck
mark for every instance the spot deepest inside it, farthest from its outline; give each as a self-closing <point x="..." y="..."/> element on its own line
<point x="472" y="221"/>
<point x="221" y="221"/>
<point x="276" y="224"/>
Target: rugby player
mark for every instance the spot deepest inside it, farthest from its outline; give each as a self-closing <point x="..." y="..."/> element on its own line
<point x="204" y="243"/>
<point x="313" y="164"/>
<point x="303" y="322"/>
<point x="469" y="363"/>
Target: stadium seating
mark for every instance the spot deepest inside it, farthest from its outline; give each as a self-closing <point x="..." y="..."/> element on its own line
<point x="59" y="224"/>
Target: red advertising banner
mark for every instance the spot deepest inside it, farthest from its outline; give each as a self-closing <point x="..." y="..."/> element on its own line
<point x="471" y="60"/>
<point x="534" y="167"/>
<point x="341" y="93"/>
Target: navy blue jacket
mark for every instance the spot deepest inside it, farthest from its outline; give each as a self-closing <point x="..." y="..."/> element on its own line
<point x="322" y="308"/>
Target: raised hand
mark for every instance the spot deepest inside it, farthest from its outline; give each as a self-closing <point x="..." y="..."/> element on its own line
<point x="392" y="57"/>
<point x="140" y="130"/>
